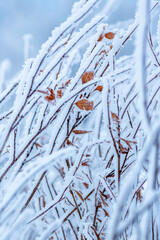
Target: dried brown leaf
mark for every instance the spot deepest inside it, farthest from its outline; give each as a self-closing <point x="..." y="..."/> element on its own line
<point x="109" y="35"/>
<point x="99" y="88"/>
<point x="59" y="93"/>
<point x="128" y="142"/>
<point x="87" y="76"/>
<point x="100" y="38"/>
<point x="115" y="117"/>
<point x="79" y="195"/>
<point x="86" y="185"/>
<point x="85" y="104"/>
<point x="106" y="213"/>
<point x="81" y="131"/>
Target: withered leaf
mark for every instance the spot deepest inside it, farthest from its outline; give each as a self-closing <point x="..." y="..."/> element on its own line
<point x="109" y="35"/>
<point x="85" y="104"/>
<point x="79" y="195"/>
<point x="41" y="91"/>
<point x="81" y="131"/>
<point x="115" y="117"/>
<point x="103" y="51"/>
<point x="37" y="144"/>
<point x="99" y="88"/>
<point x="123" y="150"/>
<point x="59" y="93"/>
<point x="100" y="38"/>
<point x="67" y="82"/>
<point x="106" y="213"/>
<point x="128" y="142"/>
<point x="85" y="163"/>
<point x="43" y="201"/>
<point x="87" y="76"/>
<point x="50" y="97"/>
<point x="69" y="143"/>
<point x="86" y="185"/>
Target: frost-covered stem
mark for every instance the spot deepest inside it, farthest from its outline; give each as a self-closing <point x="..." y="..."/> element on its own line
<point x="79" y="213"/>
<point x="126" y="189"/>
<point x="68" y="48"/>
<point x="113" y="139"/>
<point x="141" y="52"/>
<point x="14" y="145"/>
<point x="60" y="128"/>
<point x="41" y="129"/>
<point x="34" y="190"/>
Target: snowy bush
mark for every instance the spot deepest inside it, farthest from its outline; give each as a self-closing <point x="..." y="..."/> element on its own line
<point x="79" y="139"/>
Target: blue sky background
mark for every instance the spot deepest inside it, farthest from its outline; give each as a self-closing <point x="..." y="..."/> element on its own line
<point x="39" y="17"/>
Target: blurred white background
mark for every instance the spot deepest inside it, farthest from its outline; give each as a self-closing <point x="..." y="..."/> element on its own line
<point x="38" y="18"/>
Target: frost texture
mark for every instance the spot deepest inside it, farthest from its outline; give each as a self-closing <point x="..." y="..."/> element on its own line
<point x="79" y="132"/>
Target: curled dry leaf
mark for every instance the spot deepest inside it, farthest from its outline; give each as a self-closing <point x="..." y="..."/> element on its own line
<point x="79" y="195"/>
<point x="106" y="213"/>
<point x="109" y="35"/>
<point x="59" y="93"/>
<point x="85" y="104"/>
<point x="100" y="38"/>
<point x="69" y="143"/>
<point x="41" y="91"/>
<point x="50" y="97"/>
<point x="86" y="185"/>
<point x="103" y="51"/>
<point x="115" y="117"/>
<point x="81" y="131"/>
<point x="87" y="76"/>
<point x="85" y="163"/>
<point x="128" y="142"/>
<point x="37" y="145"/>
<point x="67" y="82"/>
<point x="99" y="88"/>
<point x="43" y="201"/>
<point x="123" y="150"/>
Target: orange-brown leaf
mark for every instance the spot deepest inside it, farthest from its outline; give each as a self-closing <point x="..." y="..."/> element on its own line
<point x="87" y="76"/>
<point x="109" y="35"/>
<point x="79" y="195"/>
<point x="67" y="82"/>
<point x="85" y="163"/>
<point x="50" y="98"/>
<point x="106" y="213"/>
<point x="43" y="201"/>
<point x="37" y="144"/>
<point x="128" y="142"/>
<point x="100" y="38"/>
<point x="85" y="104"/>
<point x="103" y="51"/>
<point x="69" y="143"/>
<point x="41" y="91"/>
<point x="81" y="131"/>
<point x="59" y="93"/>
<point x="115" y="117"/>
<point x="86" y="185"/>
<point x="122" y="149"/>
<point x="99" y="88"/>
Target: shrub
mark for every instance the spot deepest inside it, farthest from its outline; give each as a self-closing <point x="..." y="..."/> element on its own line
<point x="80" y="133"/>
